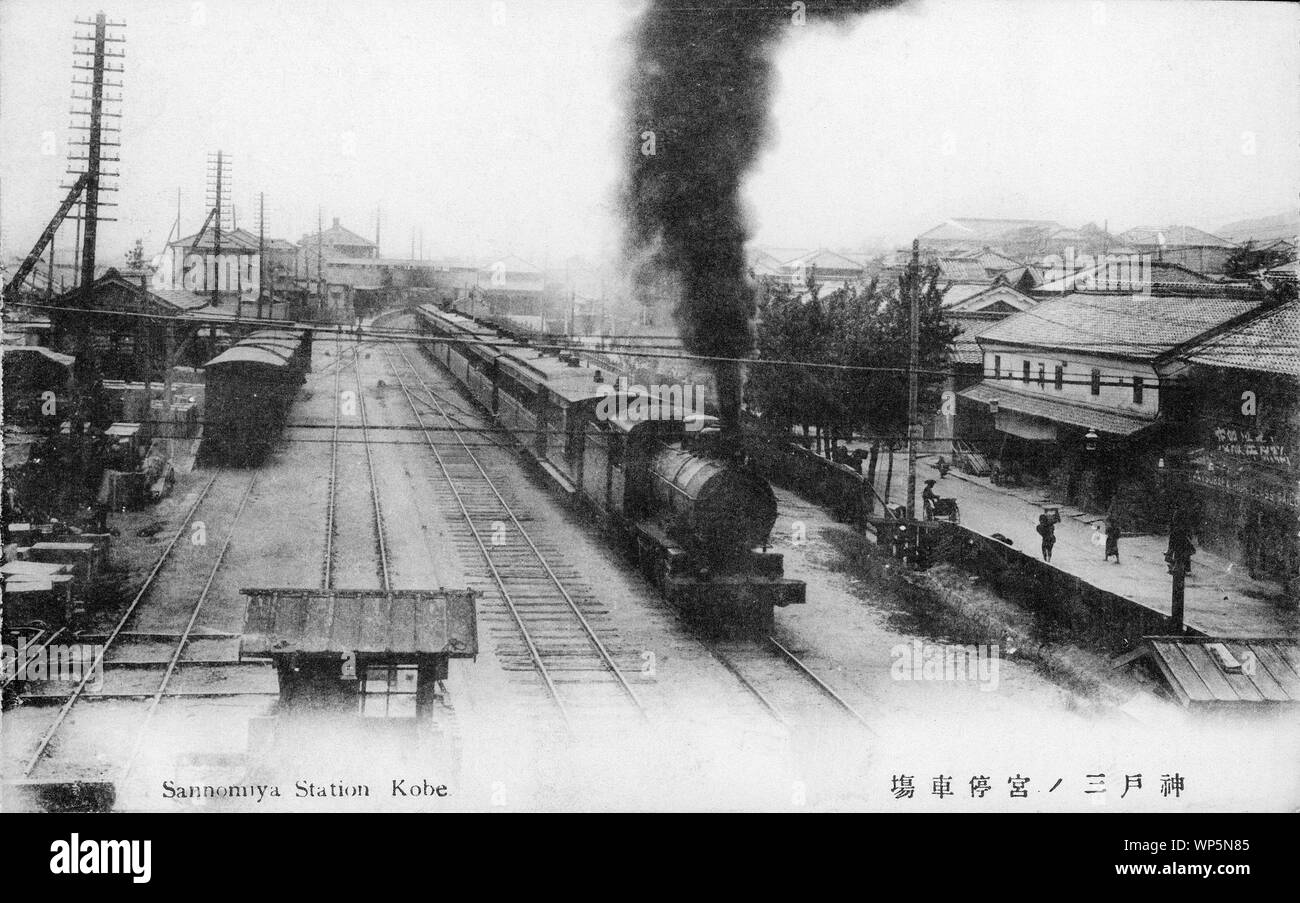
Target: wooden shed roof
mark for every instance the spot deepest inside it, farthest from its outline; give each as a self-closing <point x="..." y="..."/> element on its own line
<point x="1217" y="671"/>
<point x="281" y="620"/>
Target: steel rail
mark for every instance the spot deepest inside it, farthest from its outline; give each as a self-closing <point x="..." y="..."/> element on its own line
<point x="189" y="629"/>
<point x="821" y="684"/>
<point x="541" y="559"/>
<point x="384" y="576"/>
<point x="533" y="652"/>
<point x="327" y="569"/>
<point x="98" y="663"/>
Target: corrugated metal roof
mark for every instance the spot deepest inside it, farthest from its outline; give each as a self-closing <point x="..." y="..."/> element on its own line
<point x="1137" y="327"/>
<point x="1268" y="343"/>
<point x="411" y="622"/>
<point x="1086" y="416"/>
<point x="1215" y="671"/>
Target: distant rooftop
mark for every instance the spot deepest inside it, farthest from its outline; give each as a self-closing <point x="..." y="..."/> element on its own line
<point x="986" y="230"/>
<point x="338" y="235"/>
<point x="1174" y="237"/>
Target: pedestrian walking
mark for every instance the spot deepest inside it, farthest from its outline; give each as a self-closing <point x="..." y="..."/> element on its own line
<point x="1181" y="549"/>
<point x="1112" y="540"/>
<point x="1047" y="530"/>
<point x="1250" y="544"/>
<point x="943" y="467"/>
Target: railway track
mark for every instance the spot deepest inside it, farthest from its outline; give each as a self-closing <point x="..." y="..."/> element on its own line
<point x="764" y="669"/>
<point x="787" y="688"/>
<point x="327" y="570"/>
<point x="555" y="623"/>
<point x="186" y="632"/>
<point x="143" y="641"/>
<point x="381" y="545"/>
<point x="350" y="492"/>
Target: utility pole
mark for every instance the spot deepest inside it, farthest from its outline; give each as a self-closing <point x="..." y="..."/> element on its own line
<point x="93" y="153"/>
<point x="1176" y="604"/>
<point x="261" y="249"/>
<point x="178" y="266"/>
<point x="76" y="248"/>
<point x="218" y="198"/>
<point x="320" y="254"/>
<point x="1179" y="556"/>
<point x="914" y="353"/>
<point x="86" y="374"/>
<point x="216" y="287"/>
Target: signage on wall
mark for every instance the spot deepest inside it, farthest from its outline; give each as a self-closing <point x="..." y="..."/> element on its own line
<point x="1252" y="446"/>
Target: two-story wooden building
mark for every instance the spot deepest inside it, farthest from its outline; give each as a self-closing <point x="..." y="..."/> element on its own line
<point x="1243" y="464"/>
<point x="1075" y="390"/>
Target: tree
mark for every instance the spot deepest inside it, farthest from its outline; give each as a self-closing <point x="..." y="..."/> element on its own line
<point x="1248" y="260"/>
<point x="862" y="327"/>
<point x="135" y="256"/>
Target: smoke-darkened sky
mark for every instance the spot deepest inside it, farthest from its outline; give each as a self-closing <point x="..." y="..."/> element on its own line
<point x="496" y="125"/>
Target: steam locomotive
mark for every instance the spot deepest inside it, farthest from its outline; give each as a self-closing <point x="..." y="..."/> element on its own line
<point x="696" y="520"/>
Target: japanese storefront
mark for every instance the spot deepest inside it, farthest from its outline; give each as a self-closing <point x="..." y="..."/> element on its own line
<point x="1249" y="495"/>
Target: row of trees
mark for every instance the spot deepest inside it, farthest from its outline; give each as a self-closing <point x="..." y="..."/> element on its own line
<point x="857" y="326"/>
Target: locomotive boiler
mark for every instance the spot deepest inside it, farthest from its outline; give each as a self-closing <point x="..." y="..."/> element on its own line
<point x="708" y="506"/>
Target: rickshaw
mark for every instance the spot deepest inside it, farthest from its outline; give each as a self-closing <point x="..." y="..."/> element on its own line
<point x="945" y="509"/>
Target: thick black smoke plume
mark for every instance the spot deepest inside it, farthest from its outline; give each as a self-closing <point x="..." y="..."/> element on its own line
<point x="697" y="118"/>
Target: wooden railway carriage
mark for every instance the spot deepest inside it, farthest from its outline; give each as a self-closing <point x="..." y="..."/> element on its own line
<point x="250" y="387"/>
<point x="696" y="523"/>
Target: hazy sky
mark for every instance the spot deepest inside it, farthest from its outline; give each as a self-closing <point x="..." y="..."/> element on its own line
<point x="493" y="125"/>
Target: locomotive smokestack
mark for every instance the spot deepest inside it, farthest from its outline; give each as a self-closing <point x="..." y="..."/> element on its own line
<point x="697" y="117"/>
